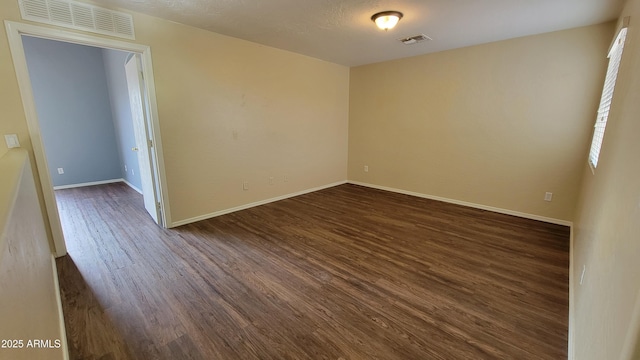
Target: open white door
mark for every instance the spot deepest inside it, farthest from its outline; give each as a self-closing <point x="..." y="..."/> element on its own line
<point x="144" y="142"/>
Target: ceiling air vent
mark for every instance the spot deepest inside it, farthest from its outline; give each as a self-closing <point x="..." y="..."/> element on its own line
<point x="415" y="39"/>
<point x="79" y="16"/>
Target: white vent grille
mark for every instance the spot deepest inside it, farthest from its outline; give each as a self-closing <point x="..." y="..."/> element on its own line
<point x="82" y="16"/>
<point x="415" y="39"/>
<point x="60" y="12"/>
<point x="37" y="10"/>
<point x="76" y="15"/>
<point x="104" y="20"/>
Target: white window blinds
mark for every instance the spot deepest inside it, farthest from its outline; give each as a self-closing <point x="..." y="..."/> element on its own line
<point x="615" y="55"/>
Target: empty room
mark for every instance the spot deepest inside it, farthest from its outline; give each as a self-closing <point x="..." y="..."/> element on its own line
<point x="320" y="179"/>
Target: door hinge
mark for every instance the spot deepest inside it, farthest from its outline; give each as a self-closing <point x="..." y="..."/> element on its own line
<point x="159" y="206"/>
<point x="150" y="143"/>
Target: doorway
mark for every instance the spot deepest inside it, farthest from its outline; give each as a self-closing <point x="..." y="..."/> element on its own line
<point x="152" y="142"/>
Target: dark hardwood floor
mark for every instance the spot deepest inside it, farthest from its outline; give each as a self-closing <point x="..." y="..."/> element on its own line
<point x="343" y="273"/>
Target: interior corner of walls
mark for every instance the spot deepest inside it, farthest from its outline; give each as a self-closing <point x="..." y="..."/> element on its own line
<point x="467" y="204"/>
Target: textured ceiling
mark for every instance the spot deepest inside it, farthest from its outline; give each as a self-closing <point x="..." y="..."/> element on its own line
<point x="342" y="32"/>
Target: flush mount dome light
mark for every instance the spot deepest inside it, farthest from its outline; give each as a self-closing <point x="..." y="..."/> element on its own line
<point x="387" y="19"/>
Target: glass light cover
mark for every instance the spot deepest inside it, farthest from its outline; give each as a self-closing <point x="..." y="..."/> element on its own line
<point x="387" y="22"/>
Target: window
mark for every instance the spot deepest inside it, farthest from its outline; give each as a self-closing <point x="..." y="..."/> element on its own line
<point x="607" y="95"/>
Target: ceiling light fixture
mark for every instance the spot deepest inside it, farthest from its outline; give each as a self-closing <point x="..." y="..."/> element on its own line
<point x="387" y="19"/>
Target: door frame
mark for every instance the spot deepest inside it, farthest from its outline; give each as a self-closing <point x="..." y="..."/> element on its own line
<point x="15" y="30"/>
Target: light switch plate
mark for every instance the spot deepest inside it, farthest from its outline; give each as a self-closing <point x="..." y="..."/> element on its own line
<point x="12" y="141"/>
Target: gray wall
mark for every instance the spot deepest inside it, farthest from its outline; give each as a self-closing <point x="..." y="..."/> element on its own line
<point x="72" y="100"/>
<point x="118" y="93"/>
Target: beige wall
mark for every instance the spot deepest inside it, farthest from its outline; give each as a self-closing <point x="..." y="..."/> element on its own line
<point x="12" y="119"/>
<point x="28" y="293"/>
<point x="496" y="124"/>
<point x="607" y="225"/>
<point x="230" y="111"/>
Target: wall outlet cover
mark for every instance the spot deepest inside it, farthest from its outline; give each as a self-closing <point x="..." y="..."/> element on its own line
<point x="12" y="141"/>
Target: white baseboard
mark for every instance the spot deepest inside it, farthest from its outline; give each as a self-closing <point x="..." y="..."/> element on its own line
<point x="468" y="204"/>
<point x="571" y="354"/>
<point x="71" y="186"/>
<point x="132" y="186"/>
<point x="253" y="204"/>
<point x="385" y="188"/>
<point x="63" y="329"/>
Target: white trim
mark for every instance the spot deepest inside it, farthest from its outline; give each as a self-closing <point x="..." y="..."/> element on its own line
<point x="63" y="329"/>
<point x="92" y="183"/>
<point x="468" y="204"/>
<point x="22" y="73"/>
<point x="132" y="186"/>
<point x="572" y="301"/>
<point x="15" y="30"/>
<point x="254" y="204"/>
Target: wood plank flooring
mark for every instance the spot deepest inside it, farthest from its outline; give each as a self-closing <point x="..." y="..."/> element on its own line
<point x="343" y="273"/>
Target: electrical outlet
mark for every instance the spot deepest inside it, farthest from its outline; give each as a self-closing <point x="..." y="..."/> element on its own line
<point x="366" y="168"/>
<point x="548" y="196"/>
<point x="285" y="178"/>
<point x="60" y="171"/>
<point x="125" y="168"/>
<point x="133" y="172"/>
<point x="270" y="180"/>
<point x="245" y="185"/>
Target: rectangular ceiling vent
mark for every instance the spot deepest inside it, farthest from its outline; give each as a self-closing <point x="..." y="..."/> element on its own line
<point x="79" y="16"/>
<point x="415" y="39"/>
